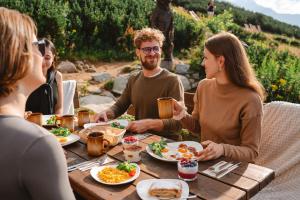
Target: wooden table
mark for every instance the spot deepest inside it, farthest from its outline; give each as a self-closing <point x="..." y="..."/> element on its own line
<point x="242" y="183"/>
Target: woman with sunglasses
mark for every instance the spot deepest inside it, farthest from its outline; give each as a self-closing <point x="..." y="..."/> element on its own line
<point x="33" y="165"/>
<point x="227" y="104"/>
<point x="48" y="98"/>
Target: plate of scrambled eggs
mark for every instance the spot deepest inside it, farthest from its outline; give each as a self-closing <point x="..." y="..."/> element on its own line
<point x="114" y="174"/>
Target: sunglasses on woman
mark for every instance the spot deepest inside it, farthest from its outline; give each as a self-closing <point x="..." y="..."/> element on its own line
<point x="41" y="45"/>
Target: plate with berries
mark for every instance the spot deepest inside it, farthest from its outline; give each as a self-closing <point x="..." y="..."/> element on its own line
<point x="174" y="151"/>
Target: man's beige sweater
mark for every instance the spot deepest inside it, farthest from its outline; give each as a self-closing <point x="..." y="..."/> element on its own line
<point x="229" y="115"/>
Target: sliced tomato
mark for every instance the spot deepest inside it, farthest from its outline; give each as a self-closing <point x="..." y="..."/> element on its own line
<point x="132" y="172"/>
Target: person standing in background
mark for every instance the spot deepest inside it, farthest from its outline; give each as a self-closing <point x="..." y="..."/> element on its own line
<point x="211" y="8"/>
<point x="162" y="19"/>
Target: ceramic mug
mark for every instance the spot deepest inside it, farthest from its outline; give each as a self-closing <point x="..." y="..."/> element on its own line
<point x="67" y="121"/>
<point x="96" y="144"/>
<point x="83" y="117"/>
<point x="36" y="118"/>
<point x="165" y="107"/>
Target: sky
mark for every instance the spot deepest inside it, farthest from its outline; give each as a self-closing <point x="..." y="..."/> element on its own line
<point x="281" y="6"/>
<point x="284" y="10"/>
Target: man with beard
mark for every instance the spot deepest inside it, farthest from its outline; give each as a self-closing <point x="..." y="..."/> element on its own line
<point x="143" y="88"/>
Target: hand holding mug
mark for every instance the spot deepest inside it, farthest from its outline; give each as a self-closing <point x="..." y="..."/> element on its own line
<point x="179" y="110"/>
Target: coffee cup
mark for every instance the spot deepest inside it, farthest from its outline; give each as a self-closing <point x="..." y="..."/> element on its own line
<point x="165" y="107"/>
<point x="96" y="144"/>
<point x="67" y="121"/>
<point x="83" y="117"/>
<point x="36" y="118"/>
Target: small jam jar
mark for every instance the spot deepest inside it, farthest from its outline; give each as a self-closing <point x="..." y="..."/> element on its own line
<point x="187" y="169"/>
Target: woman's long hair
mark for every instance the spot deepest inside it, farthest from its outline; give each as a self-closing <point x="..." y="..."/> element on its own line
<point x="237" y="66"/>
<point x="50" y="45"/>
<point x="16" y="37"/>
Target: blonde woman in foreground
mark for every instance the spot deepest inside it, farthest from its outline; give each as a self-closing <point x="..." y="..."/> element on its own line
<point x="227" y="104"/>
<point x="33" y="165"/>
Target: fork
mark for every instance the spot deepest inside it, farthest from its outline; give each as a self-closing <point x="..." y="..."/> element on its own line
<point x="217" y="165"/>
<point x="227" y="169"/>
<point x="105" y="162"/>
<point x="87" y="163"/>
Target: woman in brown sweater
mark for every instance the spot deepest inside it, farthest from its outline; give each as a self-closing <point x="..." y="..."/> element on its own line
<point x="227" y="104"/>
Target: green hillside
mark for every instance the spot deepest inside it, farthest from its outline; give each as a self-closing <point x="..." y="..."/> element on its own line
<point x="242" y="16"/>
<point x="103" y="30"/>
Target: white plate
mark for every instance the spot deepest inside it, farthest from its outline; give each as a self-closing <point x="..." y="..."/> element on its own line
<point x="70" y="139"/>
<point x="143" y="187"/>
<point x="95" y="170"/>
<point x="122" y="122"/>
<point x="173" y="150"/>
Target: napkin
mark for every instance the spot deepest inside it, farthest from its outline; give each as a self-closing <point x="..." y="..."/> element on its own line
<point x="220" y="169"/>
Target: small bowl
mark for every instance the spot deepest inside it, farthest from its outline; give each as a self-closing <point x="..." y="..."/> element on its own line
<point x="113" y="135"/>
<point x="114" y="138"/>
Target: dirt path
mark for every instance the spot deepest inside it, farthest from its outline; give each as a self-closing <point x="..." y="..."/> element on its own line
<point x="113" y="68"/>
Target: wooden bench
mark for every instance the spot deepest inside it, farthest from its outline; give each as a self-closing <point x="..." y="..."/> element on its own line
<point x="189" y="101"/>
<point x="76" y="98"/>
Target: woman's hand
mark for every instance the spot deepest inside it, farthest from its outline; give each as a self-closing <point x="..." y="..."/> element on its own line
<point x="179" y="110"/>
<point x="211" y="150"/>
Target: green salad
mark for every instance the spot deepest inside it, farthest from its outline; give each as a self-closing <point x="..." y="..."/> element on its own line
<point x="156" y="147"/>
<point x="117" y="125"/>
<point x="63" y="132"/>
<point x="51" y="120"/>
<point x="126" y="166"/>
<point x="127" y="117"/>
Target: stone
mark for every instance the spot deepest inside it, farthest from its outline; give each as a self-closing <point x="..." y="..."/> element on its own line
<point x="97" y="107"/>
<point x="95" y="99"/>
<point x="94" y="89"/>
<point x="196" y="76"/>
<point x="90" y="70"/>
<point x="182" y="68"/>
<point x="79" y="62"/>
<point x="108" y="94"/>
<point x="67" y="67"/>
<point x="85" y="66"/>
<point x="120" y="83"/>
<point x="101" y="77"/>
<point x="167" y="65"/>
<point x="185" y="82"/>
<point x="79" y="67"/>
<point x="195" y="85"/>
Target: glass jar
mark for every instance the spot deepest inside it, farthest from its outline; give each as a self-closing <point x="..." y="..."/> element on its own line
<point x="187" y="169"/>
<point x="132" y="151"/>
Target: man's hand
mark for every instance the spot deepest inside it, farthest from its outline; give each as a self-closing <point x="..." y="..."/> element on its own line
<point x="211" y="150"/>
<point x="100" y="117"/>
<point x="141" y="126"/>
